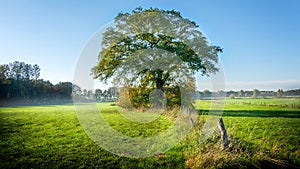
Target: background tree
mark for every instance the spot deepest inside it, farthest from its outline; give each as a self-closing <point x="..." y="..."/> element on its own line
<point x="167" y="35"/>
<point x="90" y="95"/>
<point x="98" y="94"/>
<point x="207" y="93"/>
<point x="4" y="73"/>
<point x="279" y="93"/>
<point x="36" y="71"/>
<point x="255" y="93"/>
<point x="113" y="93"/>
<point x="241" y="93"/>
<point x="76" y="92"/>
<point x="63" y="91"/>
<point x="125" y="101"/>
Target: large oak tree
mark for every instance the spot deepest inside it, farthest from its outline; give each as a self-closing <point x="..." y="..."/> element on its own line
<point x="154" y="48"/>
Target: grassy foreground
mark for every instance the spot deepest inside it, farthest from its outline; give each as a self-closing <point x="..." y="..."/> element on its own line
<point x="263" y="133"/>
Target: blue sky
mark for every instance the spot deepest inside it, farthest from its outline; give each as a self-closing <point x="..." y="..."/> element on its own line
<point x="261" y="39"/>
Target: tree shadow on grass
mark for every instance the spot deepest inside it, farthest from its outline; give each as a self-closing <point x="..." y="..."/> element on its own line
<point x="252" y="113"/>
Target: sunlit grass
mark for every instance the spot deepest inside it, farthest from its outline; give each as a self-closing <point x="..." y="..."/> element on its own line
<point x="270" y="130"/>
<point x="52" y="137"/>
<point x="260" y="135"/>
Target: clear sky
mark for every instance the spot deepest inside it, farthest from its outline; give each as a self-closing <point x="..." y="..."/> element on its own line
<point x="261" y="39"/>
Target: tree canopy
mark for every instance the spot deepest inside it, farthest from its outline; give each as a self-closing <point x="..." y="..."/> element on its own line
<point x="154" y="48"/>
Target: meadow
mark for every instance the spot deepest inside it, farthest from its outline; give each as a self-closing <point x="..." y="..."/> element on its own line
<point x="263" y="133"/>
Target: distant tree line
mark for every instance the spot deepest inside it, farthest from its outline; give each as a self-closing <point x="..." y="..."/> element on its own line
<point x="255" y="93"/>
<point x="83" y="95"/>
<point x="20" y="84"/>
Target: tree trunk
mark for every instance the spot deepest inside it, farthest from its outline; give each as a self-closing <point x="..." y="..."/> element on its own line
<point x="159" y="81"/>
<point x="224" y="138"/>
<point x="159" y="86"/>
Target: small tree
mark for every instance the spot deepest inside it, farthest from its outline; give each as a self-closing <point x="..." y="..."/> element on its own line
<point x="279" y="93"/>
<point x="231" y="96"/>
<point x="124" y="100"/>
<point x="207" y="93"/>
<point x="255" y="93"/>
<point x="241" y="93"/>
<point x="98" y="93"/>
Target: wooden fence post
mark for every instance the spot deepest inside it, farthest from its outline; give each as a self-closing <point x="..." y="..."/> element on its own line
<point x="224" y="138"/>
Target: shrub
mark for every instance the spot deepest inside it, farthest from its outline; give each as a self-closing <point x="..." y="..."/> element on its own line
<point x="231" y="96"/>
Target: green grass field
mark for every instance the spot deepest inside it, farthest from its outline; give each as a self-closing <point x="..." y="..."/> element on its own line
<point x="270" y="127"/>
<point x="263" y="133"/>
